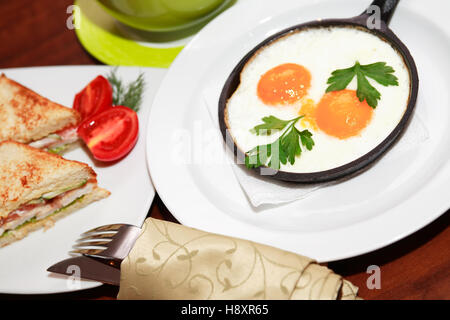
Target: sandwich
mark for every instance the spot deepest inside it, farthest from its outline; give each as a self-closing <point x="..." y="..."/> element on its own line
<point x="37" y="188"/>
<point x="29" y="118"/>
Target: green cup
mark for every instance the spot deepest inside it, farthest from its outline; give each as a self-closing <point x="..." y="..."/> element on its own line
<point x="164" y="15"/>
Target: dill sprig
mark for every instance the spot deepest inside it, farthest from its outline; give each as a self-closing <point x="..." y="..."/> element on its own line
<point x="129" y="95"/>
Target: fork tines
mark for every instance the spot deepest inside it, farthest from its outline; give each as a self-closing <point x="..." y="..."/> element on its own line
<point x="98" y="236"/>
<point x="109" y="227"/>
<point x="111" y="241"/>
<point x="87" y="252"/>
<point x="96" y="240"/>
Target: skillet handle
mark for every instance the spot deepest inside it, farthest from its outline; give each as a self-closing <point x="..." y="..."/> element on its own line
<point x="385" y="8"/>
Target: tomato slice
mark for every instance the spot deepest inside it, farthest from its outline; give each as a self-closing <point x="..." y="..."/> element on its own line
<point x="111" y="134"/>
<point x="96" y="97"/>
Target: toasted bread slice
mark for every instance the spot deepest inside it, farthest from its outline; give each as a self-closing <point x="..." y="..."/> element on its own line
<point x="25" y="116"/>
<point x="27" y="173"/>
<point x="23" y="231"/>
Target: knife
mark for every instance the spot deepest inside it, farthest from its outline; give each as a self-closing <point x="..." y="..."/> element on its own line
<point x="102" y="270"/>
<point x="94" y="268"/>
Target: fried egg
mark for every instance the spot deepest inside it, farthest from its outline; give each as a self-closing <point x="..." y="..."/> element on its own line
<point x="288" y="78"/>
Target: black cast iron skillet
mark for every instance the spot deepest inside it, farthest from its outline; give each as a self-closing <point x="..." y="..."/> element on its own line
<point x="361" y="22"/>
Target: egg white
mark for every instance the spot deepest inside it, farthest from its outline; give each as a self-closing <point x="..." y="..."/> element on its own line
<point x="321" y="51"/>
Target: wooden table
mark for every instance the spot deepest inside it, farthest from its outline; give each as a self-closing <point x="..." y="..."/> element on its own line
<point x="34" y="33"/>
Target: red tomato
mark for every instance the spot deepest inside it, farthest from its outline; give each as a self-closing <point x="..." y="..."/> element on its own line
<point x="112" y="134"/>
<point x="96" y="97"/>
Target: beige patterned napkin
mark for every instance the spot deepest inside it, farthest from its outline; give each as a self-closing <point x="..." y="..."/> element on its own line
<point x="171" y="261"/>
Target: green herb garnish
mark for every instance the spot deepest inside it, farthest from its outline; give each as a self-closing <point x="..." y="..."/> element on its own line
<point x="129" y="95"/>
<point x="285" y="148"/>
<point x="270" y="123"/>
<point x="378" y="71"/>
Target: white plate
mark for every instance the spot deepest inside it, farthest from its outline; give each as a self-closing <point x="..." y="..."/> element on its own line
<point x="384" y="204"/>
<point x="23" y="264"/>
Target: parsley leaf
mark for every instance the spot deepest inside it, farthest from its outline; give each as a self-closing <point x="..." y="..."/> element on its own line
<point x="381" y="73"/>
<point x="307" y="140"/>
<point x="260" y="155"/>
<point x="286" y="148"/>
<point x="366" y="90"/>
<point x="340" y="79"/>
<point x="291" y="143"/>
<point x="270" y="123"/>
<point x="378" y="71"/>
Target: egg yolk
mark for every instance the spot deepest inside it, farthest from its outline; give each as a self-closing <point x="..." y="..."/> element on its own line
<point x="308" y="110"/>
<point x="284" y="84"/>
<point x="342" y="115"/>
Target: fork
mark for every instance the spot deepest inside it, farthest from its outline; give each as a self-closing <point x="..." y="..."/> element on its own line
<point x="112" y="241"/>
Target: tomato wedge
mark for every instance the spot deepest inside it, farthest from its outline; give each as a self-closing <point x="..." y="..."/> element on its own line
<point x="111" y="134"/>
<point x="96" y="97"/>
